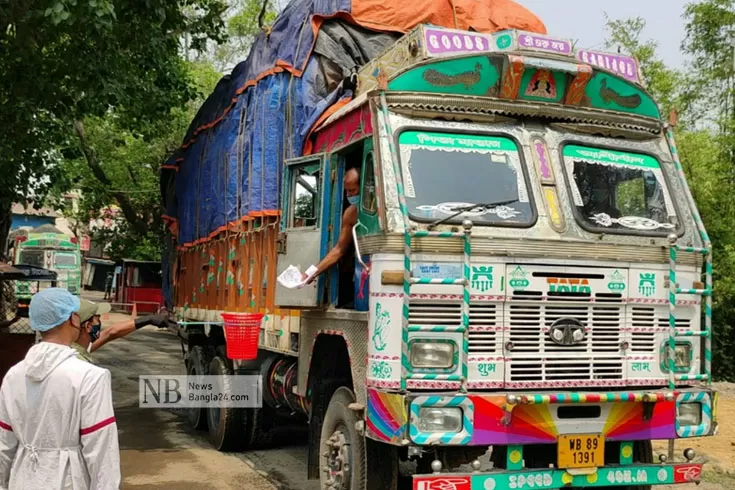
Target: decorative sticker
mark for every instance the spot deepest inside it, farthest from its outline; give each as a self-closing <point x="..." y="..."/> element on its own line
<point x="442" y="483"/>
<point x="486" y="368"/>
<point x="625" y="66"/>
<point x="518" y="278"/>
<point x="436" y="270"/>
<point x="441" y="42"/>
<point x="543" y="43"/>
<point x="482" y="278"/>
<point x="617" y="282"/>
<point x="647" y="284"/>
<point x="408" y="189"/>
<point x="382" y="322"/>
<point x="380" y="369"/>
<point x="542" y="85"/>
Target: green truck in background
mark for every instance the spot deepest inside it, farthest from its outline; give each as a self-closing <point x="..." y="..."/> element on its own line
<point x="48" y="248"/>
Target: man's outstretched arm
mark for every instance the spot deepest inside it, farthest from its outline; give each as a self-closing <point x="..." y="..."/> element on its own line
<point x="343" y="243"/>
<point x="126" y="328"/>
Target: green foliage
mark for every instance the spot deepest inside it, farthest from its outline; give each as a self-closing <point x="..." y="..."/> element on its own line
<point x="67" y="65"/>
<point x="242" y="27"/>
<point x="703" y="95"/>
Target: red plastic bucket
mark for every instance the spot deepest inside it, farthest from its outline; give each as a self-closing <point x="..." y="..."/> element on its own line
<point x="242" y="331"/>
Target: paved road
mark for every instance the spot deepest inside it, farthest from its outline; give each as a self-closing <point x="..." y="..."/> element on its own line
<point x="160" y="451"/>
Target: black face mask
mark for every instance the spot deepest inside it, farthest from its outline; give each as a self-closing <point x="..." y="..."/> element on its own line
<point x="94" y="333"/>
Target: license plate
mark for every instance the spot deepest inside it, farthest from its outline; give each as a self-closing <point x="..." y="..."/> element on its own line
<point x="581" y="451"/>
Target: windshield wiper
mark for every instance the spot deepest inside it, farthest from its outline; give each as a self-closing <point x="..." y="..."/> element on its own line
<point x="470" y="207"/>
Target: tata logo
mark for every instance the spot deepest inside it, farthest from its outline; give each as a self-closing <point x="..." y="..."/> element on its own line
<point x="564" y="285"/>
<point x="567" y="331"/>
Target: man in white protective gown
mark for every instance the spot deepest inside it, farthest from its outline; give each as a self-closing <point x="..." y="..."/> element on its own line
<point x="57" y="425"/>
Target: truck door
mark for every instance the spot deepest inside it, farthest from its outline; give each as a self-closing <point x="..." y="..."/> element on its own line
<point x="304" y="203"/>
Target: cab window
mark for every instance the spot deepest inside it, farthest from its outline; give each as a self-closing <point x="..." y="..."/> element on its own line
<point x="305" y="195"/>
<point x="368" y="192"/>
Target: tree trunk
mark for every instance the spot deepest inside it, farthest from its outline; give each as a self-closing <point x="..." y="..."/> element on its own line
<point x="138" y="223"/>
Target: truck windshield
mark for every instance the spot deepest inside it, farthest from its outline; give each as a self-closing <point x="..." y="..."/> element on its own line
<point x="65" y="259"/>
<point x="619" y="191"/>
<point x="32" y="257"/>
<point x="443" y="172"/>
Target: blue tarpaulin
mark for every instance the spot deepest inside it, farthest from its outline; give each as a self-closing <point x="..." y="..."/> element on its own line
<point x="230" y="163"/>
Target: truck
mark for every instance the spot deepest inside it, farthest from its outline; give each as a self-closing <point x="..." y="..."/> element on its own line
<point x="528" y="299"/>
<point x="48" y="248"/>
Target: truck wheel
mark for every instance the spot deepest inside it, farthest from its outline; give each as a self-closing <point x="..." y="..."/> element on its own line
<point x="198" y="366"/>
<point x="642" y="453"/>
<point x="341" y="447"/>
<point x="225" y="424"/>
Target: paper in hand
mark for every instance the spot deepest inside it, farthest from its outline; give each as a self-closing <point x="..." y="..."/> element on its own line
<point x="291" y="278"/>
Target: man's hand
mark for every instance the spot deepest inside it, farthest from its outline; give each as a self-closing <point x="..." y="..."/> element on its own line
<point x="160" y="321"/>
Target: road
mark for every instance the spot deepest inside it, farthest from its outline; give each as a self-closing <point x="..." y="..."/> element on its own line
<point x="160" y="451"/>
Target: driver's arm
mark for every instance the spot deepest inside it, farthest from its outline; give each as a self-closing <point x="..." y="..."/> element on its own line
<point x="343" y="243"/>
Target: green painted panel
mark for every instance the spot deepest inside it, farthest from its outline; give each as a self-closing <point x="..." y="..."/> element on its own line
<point x="475" y="75"/>
<point x="535" y="85"/>
<point x="554" y="479"/>
<point x="444" y="140"/>
<point x="610" y="156"/>
<point x="605" y="91"/>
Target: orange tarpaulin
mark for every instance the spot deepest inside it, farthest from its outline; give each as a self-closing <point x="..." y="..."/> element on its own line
<point x="483" y="16"/>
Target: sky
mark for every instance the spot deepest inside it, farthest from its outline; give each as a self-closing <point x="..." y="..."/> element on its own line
<point x="584" y="21"/>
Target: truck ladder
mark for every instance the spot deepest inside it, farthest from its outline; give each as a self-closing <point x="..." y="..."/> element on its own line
<point x="674" y="289"/>
<point x="408" y="279"/>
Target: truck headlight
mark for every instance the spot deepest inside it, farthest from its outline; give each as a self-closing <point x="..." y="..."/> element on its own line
<point x="428" y="354"/>
<point x="689" y="414"/>
<point x="440" y="419"/>
<point x="682" y="357"/>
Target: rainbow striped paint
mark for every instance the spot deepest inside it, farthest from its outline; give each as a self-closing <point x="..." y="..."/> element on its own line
<point x="497" y="422"/>
<point x="705" y="427"/>
<point x="387" y="417"/>
<point x="593" y="398"/>
<point x="462" y="437"/>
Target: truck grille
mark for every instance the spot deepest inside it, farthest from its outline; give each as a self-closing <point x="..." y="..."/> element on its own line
<point x="536" y="358"/>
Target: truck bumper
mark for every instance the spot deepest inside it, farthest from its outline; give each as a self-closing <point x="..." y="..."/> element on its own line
<point x="519" y="419"/>
<point x="618" y="476"/>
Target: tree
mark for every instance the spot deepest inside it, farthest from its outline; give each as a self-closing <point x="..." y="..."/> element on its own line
<point x="244" y="20"/>
<point x="665" y="84"/>
<point x="65" y="61"/>
<point x="703" y="95"/>
<point x="130" y="161"/>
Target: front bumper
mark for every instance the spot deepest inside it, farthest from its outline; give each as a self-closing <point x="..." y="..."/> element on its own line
<point x="497" y="419"/>
<point x="613" y="476"/>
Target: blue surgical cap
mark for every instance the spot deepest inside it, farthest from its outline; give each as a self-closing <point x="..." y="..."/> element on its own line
<point x="51" y="307"/>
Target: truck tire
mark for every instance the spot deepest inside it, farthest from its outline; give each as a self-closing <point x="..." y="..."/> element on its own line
<point x="225" y="424"/>
<point x="642" y="453"/>
<point x="341" y="447"/>
<point x="198" y="366"/>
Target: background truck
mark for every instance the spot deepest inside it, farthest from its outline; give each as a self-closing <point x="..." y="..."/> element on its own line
<point x="47" y="248"/>
<point x="530" y="283"/>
